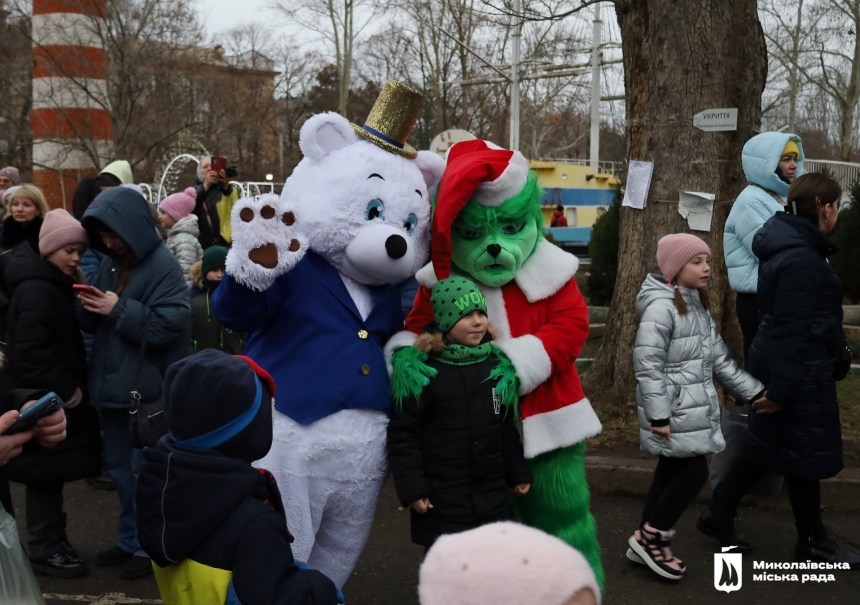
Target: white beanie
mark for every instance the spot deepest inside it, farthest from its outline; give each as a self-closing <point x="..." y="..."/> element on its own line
<point x="505" y="564"/>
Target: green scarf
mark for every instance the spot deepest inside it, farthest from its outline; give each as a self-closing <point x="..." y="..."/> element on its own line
<point x="461" y="355"/>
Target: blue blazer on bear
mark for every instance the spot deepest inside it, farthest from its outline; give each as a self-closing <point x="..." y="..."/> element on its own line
<point x="306" y="331"/>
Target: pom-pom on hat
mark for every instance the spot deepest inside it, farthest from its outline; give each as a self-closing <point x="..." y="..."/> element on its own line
<point x="454" y="298"/>
<point x="60" y="229"/>
<point x="676" y="250"/>
<point x="179" y="205"/>
<point x="504" y="564"/>
<point x="476" y="170"/>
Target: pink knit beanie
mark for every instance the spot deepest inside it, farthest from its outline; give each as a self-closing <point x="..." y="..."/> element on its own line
<point x="675" y="251"/>
<point x="179" y="205"/>
<point x="60" y="229"/>
<point x="505" y="564"/>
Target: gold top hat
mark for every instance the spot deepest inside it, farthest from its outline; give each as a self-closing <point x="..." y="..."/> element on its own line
<point x="392" y="118"/>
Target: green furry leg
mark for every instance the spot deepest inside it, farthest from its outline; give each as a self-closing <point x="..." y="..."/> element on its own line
<point x="557" y="503"/>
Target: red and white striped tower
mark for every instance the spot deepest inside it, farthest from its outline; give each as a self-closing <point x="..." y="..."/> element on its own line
<point x="72" y="131"/>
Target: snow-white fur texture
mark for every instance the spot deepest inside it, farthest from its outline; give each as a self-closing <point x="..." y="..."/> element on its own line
<point x="258" y="232"/>
<point x="330" y="473"/>
<point x="351" y="197"/>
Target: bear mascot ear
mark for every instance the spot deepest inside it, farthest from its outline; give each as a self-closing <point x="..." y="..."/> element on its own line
<point x="431" y="166"/>
<point x="324" y="133"/>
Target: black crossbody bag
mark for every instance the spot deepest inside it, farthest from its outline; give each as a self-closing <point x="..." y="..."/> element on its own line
<point x="146" y="420"/>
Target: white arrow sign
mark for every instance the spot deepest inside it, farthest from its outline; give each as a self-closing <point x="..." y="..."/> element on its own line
<point x="717" y="120"/>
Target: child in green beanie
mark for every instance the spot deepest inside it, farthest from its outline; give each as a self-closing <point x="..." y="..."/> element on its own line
<point x="453" y="446"/>
<point x="206" y="331"/>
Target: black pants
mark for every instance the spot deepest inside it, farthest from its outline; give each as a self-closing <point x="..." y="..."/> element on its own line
<point x="747" y="311"/>
<point x="46" y="521"/>
<point x="804" y="494"/>
<point x="676" y="483"/>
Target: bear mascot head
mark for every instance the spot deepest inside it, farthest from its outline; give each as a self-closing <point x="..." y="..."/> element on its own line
<point x="359" y="198"/>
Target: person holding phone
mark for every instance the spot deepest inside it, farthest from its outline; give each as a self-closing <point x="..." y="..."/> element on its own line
<point x="215" y="199"/>
<point x="45" y="350"/>
<point x="139" y="292"/>
<point x="48" y="432"/>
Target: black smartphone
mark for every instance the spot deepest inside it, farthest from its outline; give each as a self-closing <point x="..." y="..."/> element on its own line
<point x="45" y="406"/>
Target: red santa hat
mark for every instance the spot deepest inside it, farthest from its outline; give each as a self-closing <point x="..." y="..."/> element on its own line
<point x="476" y="170"/>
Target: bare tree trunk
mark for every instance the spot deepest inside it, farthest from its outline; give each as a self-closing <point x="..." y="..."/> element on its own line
<point x="679" y="58"/>
<point x="793" y="79"/>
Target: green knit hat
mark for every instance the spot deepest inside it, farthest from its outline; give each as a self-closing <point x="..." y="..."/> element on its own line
<point x="214" y="258"/>
<point x="453" y="299"/>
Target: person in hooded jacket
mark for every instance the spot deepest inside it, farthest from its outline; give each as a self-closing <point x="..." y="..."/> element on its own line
<point x="139" y="293"/>
<point x="795" y="431"/>
<point x="88" y="188"/>
<point x="45" y="350"/>
<point x="213" y="524"/>
<point x="206" y="331"/>
<point x="771" y="162"/>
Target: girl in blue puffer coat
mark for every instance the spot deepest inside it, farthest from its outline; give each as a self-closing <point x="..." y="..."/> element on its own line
<point x="677" y="357"/>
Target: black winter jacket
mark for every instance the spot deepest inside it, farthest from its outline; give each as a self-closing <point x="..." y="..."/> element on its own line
<point x="459" y="447"/>
<point x="14" y="234"/>
<point x="197" y="505"/>
<point x="207" y="215"/>
<point x="207" y="332"/>
<point x="45" y="351"/>
<point x="795" y="350"/>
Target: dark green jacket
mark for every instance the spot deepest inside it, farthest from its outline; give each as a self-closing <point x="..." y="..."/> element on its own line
<point x="208" y="333"/>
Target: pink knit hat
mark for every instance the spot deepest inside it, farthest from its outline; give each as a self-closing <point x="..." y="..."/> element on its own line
<point x="179" y="205"/>
<point x="505" y="564"/>
<point x="676" y="250"/>
<point x="60" y="229"/>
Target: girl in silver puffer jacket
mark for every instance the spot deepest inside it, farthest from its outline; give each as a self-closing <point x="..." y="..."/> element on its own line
<point x="678" y="355"/>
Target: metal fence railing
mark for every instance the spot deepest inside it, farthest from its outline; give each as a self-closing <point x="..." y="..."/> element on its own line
<point x="845" y="173"/>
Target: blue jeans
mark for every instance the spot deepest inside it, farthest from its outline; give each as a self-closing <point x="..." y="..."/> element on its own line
<point x="123" y="464"/>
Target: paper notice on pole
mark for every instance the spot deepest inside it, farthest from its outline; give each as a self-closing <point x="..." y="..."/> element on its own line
<point x="697" y="208"/>
<point x="638" y="182"/>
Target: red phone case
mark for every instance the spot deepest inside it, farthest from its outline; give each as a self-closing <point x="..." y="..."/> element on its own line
<point x="82" y="287"/>
<point x="219" y="164"/>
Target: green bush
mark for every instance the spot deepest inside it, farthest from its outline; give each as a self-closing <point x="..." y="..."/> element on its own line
<point x="846" y="262"/>
<point x="603" y="250"/>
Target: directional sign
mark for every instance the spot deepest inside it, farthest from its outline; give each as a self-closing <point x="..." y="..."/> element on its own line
<point x="717" y="120"/>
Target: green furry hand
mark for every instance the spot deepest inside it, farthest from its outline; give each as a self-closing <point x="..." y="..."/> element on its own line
<point x="409" y="374"/>
<point x="507" y="385"/>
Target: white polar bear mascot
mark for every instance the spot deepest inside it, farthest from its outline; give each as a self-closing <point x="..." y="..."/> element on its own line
<point x="309" y="278"/>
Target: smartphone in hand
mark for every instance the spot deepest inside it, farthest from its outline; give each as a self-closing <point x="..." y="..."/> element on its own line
<point x="83" y="288"/>
<point x="45" y="406"/>
<point x="218" y="164"/>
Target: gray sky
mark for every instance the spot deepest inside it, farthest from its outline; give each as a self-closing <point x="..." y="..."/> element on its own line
<point x="220" y="15"/>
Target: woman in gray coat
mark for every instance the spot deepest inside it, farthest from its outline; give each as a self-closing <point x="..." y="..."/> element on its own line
<point x="139" y="291"/>
<point x="677" y="357"/>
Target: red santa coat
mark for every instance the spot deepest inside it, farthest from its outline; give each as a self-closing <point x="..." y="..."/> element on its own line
<point x="542" y="323"/>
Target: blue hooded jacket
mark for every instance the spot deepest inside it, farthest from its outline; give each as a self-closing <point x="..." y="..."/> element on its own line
<point x="755" y="205"/>
<point x="155" y="292"/>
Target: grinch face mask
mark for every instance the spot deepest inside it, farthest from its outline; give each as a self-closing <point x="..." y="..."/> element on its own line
<point x="491" y="244"/>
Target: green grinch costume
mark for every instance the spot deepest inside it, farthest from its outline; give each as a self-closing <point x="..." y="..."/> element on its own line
<point x="487" y="226"/>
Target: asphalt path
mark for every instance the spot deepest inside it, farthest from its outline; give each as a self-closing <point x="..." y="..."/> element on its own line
<point x="387" y="573"/>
